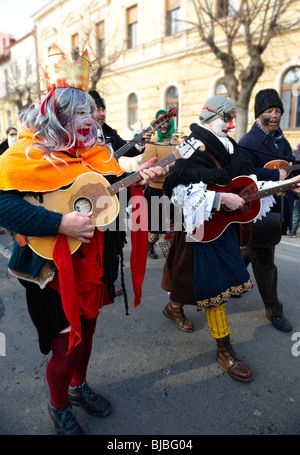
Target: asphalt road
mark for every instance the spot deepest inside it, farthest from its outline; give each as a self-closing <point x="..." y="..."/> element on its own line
<point x="162" y="382"/>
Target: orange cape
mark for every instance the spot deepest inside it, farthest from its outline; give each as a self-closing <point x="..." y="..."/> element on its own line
<point x="36" y="173"/>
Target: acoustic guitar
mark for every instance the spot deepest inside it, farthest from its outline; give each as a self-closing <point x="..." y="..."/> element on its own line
<point x="282" y="164"/>
<point x="154" y="125"/>
<point x="92" y="192"/>
<point x="247" y="189"/>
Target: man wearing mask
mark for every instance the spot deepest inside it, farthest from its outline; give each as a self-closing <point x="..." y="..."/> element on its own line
<point x="207" y="273"/>
<point x="11" y="137"/>
<point x="267" y="136"/>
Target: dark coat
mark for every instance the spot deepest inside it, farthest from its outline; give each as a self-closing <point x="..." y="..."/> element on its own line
<point x="3" y="146"/>
<point x="112" y="137"/>
<point x="256" y="139"/>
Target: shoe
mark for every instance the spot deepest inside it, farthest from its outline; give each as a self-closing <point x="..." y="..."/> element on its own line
<point x="151" y="251"/>
<point x="280" y="323"/>
<point x="174" y="311"/>
<point x="118" y="291"/>
<point x="231" y="362"/>
<point x="2" y="231"/>
<point x="93" y="403"/>
<point x="65" y="420"/>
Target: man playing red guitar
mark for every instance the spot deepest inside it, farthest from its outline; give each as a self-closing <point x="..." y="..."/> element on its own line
<point x="208" y="274"/>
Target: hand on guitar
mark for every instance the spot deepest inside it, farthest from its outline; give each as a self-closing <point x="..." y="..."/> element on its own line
<point x="77" y="225"/>
<point x="296" y="179"/>
<point x="147" y="136"/>
<point x="149" y="175"/>
<point x="232" y="201"/>
<point x="282" y="174"/>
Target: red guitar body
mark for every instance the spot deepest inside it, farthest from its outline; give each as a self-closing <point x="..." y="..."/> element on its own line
<point x="243" y="186"/>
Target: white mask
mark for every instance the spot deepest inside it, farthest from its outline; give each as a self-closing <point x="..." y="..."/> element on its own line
<point x="219" y="127"/>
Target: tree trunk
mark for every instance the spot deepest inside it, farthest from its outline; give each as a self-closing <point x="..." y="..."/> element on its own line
<point x="241" y="123"/>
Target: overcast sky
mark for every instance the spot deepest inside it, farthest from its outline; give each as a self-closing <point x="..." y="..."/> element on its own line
<point x="15" y="16"/>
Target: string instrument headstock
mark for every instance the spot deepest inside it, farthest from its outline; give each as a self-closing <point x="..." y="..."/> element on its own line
<point x="155" y="124"/>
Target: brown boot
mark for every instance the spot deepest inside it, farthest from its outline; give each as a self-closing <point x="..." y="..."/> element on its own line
<point x="173" y="310"/>
<point x="231" y="362"/>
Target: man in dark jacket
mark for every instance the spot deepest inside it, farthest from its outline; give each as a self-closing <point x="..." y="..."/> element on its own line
<point x="11" y="137"/>
<point x="266" y="136"/>
<point x="111" y="135"/>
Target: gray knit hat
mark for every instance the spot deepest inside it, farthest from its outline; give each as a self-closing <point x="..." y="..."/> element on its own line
<point x="215" y="107"/>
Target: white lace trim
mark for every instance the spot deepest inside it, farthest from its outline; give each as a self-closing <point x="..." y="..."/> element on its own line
<point x="266" y="202"/>
<point x="196" y="202"/>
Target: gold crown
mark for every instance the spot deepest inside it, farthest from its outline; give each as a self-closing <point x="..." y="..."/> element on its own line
<point x="60" y="72"/>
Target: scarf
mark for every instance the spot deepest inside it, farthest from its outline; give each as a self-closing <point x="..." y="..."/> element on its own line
<point x="276" y="138"/>
<point x="37" y="174"/>
<point x="160" y="135"/>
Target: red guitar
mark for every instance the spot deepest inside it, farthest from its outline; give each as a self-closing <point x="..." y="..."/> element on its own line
<point x="247" y="189"/>
<point x="154" y="125"/>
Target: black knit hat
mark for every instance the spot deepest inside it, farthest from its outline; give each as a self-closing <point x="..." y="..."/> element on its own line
<point x="97" y="98"/>
<point x="265" y="99"/>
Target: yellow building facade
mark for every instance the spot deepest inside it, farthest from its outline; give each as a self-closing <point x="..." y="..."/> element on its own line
<point x="157" y="59"/>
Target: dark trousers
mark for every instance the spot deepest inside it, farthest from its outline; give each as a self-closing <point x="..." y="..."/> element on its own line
<point x="265" y="273"/>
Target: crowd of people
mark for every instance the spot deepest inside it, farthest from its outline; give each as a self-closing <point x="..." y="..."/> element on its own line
<point x="66" y="140"/>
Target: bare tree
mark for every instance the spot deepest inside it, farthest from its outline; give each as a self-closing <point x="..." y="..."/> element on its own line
<point x="21" y="88"/>
<point x="252" y="24"/>
<point x="102" y="57"/>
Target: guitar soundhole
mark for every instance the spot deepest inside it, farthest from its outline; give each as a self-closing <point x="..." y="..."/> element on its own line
<point x="83" y="204"/>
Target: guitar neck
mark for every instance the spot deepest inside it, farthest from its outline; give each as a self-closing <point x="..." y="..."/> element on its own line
<point x="294" y="167"/>
<point x="134" y="178"/>
<point x="121" y="151"/>
<point x="153" y="127"/>
<point x="270" y="191"/>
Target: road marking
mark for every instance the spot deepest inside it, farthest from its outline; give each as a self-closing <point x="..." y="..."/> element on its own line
<point x="290" y="243"/>
<point x="5" y="251"/>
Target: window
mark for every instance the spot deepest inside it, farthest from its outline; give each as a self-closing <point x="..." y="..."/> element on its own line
<point x="173" y="17"/>
<point x="132" y="26"/>
<point x="221" y="89"/>
<point x="225" y="8"/>
<point x="290" y="92"/>
<point x="172" y="101"/>
<point x="6" y="82"/>
<point x="8" y="118"/>
<point x="132" y="109"/>
<point x="75" y="46"/>
<point x="28" y="67"/>
<point x="100" y="39"/>
<point x="222" y="8"/>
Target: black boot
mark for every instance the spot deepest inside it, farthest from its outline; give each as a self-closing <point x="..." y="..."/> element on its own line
<point x="151" y="251"/>
<point x="92" y="402"/>
<point x="65" y="420"/>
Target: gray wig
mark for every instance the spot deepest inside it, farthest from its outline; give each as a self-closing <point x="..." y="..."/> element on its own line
<point x="48" y="129"/>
